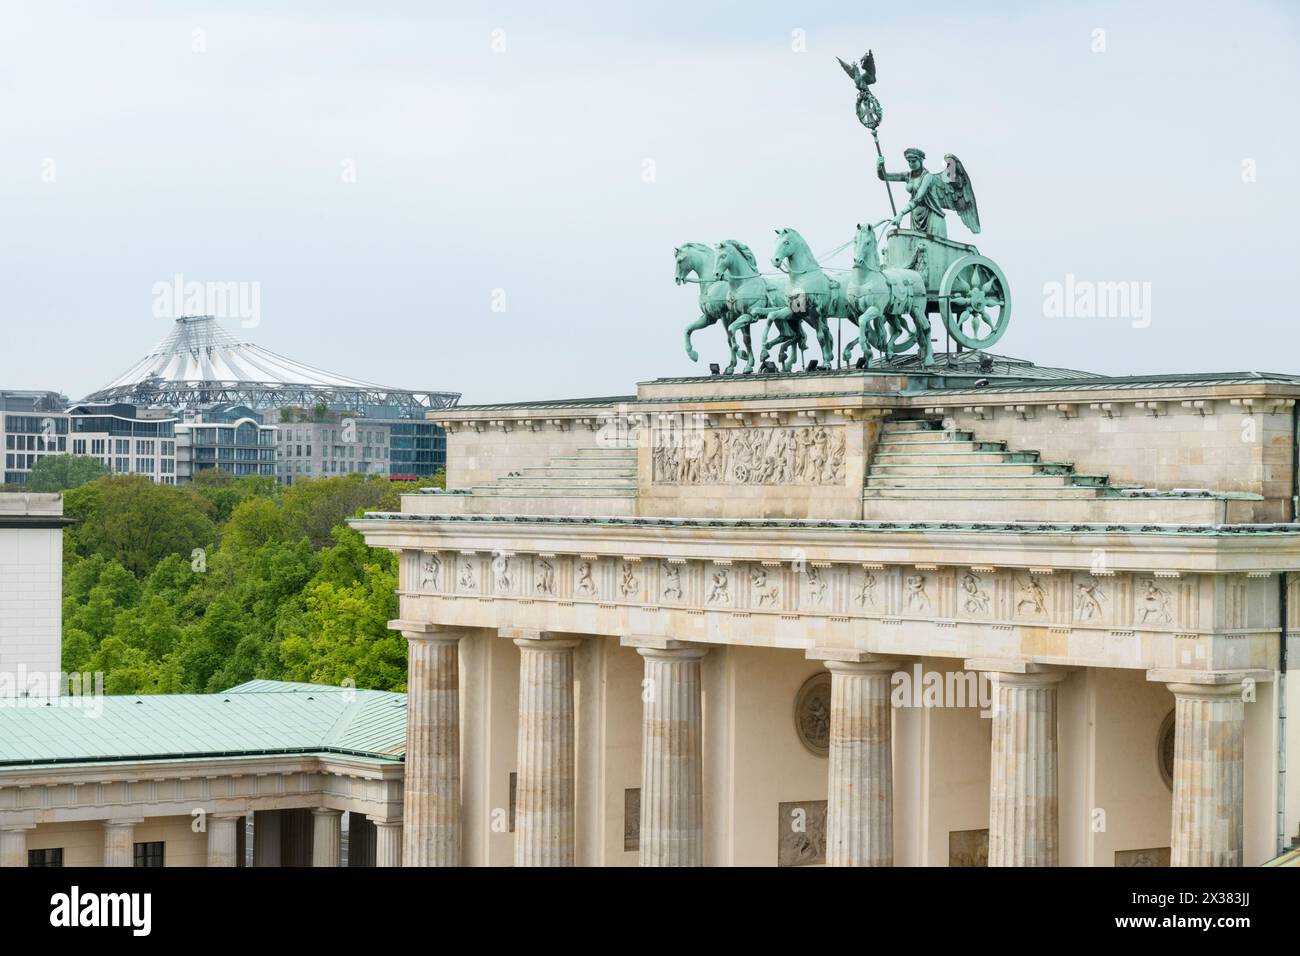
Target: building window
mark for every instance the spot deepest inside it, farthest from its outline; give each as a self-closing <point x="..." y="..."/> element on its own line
<point x="49" y="858"/>
<point x="149" y="854"/>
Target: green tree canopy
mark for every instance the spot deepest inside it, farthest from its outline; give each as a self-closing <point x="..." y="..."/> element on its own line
<point x="62" y="472"/>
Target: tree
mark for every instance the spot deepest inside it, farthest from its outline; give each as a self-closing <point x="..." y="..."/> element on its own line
<point x="133" y="521"/>
<point x="62" y="472"/>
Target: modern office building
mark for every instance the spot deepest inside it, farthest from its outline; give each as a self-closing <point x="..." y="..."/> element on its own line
<point x="230" y="437"/>
<point x="32" y="424"/>
<point x="126" y="439"/>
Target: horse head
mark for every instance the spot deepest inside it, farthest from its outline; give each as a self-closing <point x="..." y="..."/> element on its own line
<point x="732" y="257"/>
<point x="788" y="243"/>
<point x="691" y="257"/>
<point x="866" y="253"/>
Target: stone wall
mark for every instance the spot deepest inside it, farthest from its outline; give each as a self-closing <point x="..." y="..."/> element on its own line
<point x="1212" y="444"/>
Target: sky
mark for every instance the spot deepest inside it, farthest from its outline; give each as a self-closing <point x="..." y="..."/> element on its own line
<point x="487" y="197"/>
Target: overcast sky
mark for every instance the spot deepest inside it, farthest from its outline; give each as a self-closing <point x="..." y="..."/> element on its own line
<point x="381" y="169"/>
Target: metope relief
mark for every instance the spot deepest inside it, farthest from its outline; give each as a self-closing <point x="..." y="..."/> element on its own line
<point x="430" y="572"/>
<point x="1092" y="600"/>
<point x="916" y="599"/>
<point x="1030" y="598"/>
<point x="764" y="587"/>
<point x="544" y="577"/>
<point x="719" y="586"/>
<point x="467" y="577"/>
<point x="671" y="576"/>
<point x="976" y="595"/>
<point x="864" y="595"/>
<point x="629" y="584"/>
<point x="762" y="455"/>
<point x="584" y="579"/>
<point x="1151" y="604"/>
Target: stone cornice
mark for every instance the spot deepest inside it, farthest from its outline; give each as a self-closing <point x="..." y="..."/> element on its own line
<point x="1211" y="549"/>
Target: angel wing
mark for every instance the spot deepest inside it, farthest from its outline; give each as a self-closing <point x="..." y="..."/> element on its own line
<point x="958" y="195"/>
<point x="851" y="69"/>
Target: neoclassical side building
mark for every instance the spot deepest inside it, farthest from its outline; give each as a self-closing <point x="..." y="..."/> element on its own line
<point x="984" y="612"/>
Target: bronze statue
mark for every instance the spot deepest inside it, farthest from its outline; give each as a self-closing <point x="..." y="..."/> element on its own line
<point x="932" y="193"/>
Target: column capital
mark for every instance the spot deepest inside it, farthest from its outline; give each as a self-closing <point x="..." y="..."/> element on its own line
<point x="539" y="640"/>
<point x="123" y="823"/>
<point x="664" y="647"/>
<point x="1029" y="673"/>
<point x="1206" y="685"/>
<point x="848" y="659"/>
<point x="325" y="812"/>
<point x="16" y="827"/>
<point x="428" y="631"/>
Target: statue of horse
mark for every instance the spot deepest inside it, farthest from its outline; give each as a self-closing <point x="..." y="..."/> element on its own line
<point x="880" y="298"/>
<point x="750" y="296"/>
<point x="809" y="296"/>
<point x="697" y="258"/>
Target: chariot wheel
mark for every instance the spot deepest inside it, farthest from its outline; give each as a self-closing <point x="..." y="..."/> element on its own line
<point x="975" y="301"/>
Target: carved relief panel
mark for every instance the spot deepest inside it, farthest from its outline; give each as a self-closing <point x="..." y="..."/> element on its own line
<point x="757" y="455"/>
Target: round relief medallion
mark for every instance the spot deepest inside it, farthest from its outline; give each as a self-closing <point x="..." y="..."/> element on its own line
<point x="812" y="714"/>
<point x="1165" y="750"/>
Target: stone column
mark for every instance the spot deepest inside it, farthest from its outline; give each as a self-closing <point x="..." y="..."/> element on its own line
<point x="119" y="842"/>
<point x="326" y="836"/>
<point x="544" y="791"/>
<point x="13" y="844"/>
<point x="860" y="776"/>
<point x="431" y="797"/>
<point x="223" y="839"/>
<point x="1209" y="749"/>
<point x="1024" y="826"/>
<point x="388" y="844"/>
<point x="266" y="838"/>
<point x="672" y="766"/>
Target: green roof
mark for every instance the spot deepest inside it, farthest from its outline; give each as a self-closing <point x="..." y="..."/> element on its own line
<point x="259" y="718"/>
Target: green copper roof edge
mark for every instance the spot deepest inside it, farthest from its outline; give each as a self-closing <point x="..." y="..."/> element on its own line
<point x="198" y="755"/>
<point x="761" y="524"/>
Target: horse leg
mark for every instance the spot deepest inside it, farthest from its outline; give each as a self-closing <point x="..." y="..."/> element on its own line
<point x="868" y="318"/>
<point x="731" y="345"/>
<point x="827" y="342"/>
<point x="779" y="318"/>
<point x="749" y="350"/>
<point x="922" y="322"/>
<point x="703" y="322"/>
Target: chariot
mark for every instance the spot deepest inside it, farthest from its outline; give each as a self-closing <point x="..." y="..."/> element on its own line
<point x="965" y="289"/>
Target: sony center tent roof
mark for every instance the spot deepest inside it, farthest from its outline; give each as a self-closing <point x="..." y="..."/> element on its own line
<point x="199" y="362"/>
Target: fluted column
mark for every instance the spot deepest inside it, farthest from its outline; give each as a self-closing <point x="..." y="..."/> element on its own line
<point x="860" y="784"/>
<point x="119" y="842"/>
<point x="1023" y="811"/>
<point x="13" y="845"/>
<point x="1209" y="749"/>
<point x="672" y="767"/>
<point x="326" y="836"/>
<point x="266" y="838"/>
<point x="223" y="839"/>
<point x="544" y="792"/>
<point x="388" y="844"/>
<point x="432" y="782"/>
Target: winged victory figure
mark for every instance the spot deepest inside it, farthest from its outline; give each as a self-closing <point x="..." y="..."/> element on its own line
<point x="932" y="193"/>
